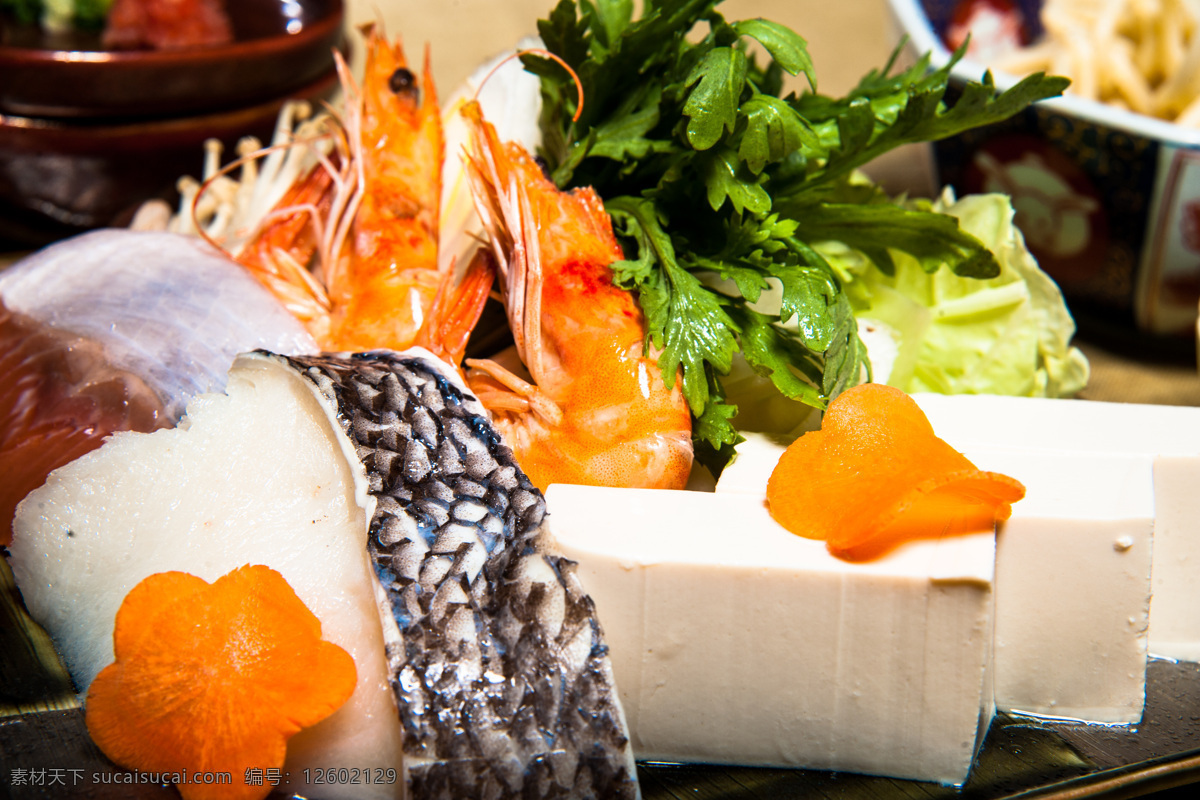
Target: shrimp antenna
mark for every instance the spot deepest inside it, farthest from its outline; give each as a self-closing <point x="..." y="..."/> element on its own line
<point x="537" y="51"/>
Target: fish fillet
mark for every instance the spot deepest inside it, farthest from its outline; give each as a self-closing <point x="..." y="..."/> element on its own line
<point x="116" y="330"/>
<point x="166" y="307"/>
<point x="375" y="484"/>
<point x="59" y="397"/>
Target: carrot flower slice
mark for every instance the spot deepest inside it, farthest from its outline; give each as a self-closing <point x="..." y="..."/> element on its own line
<point x="214" y="678"/>
<point x="876" y="475"/>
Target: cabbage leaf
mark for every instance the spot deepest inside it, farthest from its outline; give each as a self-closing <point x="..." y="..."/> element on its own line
<point x="1009" y="334"/>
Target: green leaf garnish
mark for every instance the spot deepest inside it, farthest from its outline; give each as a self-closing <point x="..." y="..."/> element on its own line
<point x="719" y="187"/>
<point x="786" y="46"/>
<point x="712" y="105"/>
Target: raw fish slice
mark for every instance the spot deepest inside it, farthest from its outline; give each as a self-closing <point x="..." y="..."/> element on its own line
<point x="493" y="653"/>
<point x="257" y="475"/>
<point x="165" y="307"/>
<point x="116" y="330"/>
<point x="58" y="399"/>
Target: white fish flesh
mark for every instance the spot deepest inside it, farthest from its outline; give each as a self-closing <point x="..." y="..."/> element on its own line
<point x="116" y="330"/>
<point x="375" y="484"/>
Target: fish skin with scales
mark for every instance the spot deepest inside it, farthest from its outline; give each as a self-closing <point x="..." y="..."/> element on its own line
<point x="495" y="655"/>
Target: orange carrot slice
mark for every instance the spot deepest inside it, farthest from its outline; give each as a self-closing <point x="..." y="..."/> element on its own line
<point x="876" y="475"/>
<point x="215" y="678"/>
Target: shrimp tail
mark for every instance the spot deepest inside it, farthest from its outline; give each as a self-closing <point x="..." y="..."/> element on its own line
<point x="457" y="308"/>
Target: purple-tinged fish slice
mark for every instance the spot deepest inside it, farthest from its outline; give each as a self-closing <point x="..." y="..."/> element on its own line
<point x="166" y="307"/>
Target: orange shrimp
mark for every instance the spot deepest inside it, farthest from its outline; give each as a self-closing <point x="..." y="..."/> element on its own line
<point x="597" y="410"/>
<point x="368" y="213"/>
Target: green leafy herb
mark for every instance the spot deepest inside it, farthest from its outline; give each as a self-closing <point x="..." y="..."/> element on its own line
<point x="87" y="15"/>
<point x="91" y="14"/>
<point x="716" y="182"/>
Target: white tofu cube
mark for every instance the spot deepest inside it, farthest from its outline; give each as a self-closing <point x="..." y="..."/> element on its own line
<point x="1073" y="576"/>
<point x="1073" y="584"/>
<point x="734" y="641"/>
<point x="752" y="468"/>
<point x="1170" y="434"/>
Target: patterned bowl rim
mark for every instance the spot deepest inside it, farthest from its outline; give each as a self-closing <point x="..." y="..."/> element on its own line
<point x="911" y="18"/>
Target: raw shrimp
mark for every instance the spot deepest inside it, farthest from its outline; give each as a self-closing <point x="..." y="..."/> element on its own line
<point x="367" y="213"/>
<point x="597" y="410"/>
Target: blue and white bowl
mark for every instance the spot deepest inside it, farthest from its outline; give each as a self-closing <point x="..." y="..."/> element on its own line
<point x="1108" y="200"/>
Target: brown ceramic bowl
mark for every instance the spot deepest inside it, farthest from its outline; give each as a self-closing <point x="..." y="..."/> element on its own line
<point x="279" y="46"/>
<point x="62" y="177"/>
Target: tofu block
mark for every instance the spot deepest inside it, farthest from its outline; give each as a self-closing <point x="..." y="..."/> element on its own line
<point x="734" y="641"/>
<point x="752" y="468"/>
<point x="1175" y="601"/>
<point x="1169" y="434"/>
<point x="1073" y="585"/>
<point x="1073" y="576"/>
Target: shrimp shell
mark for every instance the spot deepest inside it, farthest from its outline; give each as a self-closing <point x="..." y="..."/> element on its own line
<point x="352" y="247"/>
<point x="597" y="410"/>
